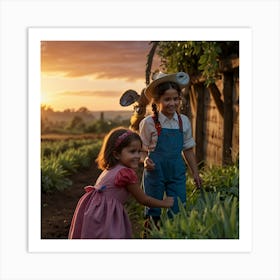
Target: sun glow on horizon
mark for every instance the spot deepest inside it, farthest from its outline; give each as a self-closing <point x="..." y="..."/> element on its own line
<point x="96" y="95"/>
<point x="91" y="74"/>
<point x="45" y="99"/>
<point x="92" y="103"/>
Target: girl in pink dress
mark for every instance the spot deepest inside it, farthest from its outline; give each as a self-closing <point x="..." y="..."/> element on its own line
<point x="100" y="212"/>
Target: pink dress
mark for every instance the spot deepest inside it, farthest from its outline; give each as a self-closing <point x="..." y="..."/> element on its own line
<point x="100" y="213"/>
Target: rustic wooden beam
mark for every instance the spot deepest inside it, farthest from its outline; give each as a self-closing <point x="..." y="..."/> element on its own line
<point x="197" y="79"/>
<point x="228" y="118"/>
<point x="228" y="65"/>
<point x="200" y="121"/>
<point x="217" y="98"/>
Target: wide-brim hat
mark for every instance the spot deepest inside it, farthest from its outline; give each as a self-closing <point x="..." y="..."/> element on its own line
<point x="180" y="78"/>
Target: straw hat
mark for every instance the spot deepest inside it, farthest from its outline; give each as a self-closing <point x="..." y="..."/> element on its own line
<point x="181" y="78"/>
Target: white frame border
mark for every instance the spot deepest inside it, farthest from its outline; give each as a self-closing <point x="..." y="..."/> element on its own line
<point x="241" y="34"/>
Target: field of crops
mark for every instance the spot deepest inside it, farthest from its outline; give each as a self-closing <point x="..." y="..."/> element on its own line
<point x="62" y="158"/>
<point x="210" y="213"/>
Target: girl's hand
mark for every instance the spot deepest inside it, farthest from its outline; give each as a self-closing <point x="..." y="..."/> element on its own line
<point x="169" y="201"/>
<point x="198" y="182"/>
<point x="149" y="164"/>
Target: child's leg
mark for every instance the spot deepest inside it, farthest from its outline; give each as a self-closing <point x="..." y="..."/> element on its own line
<point x="154" y="187"/>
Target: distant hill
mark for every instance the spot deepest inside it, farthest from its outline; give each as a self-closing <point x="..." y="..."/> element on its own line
<point x="112" y="115"/>
<point x="87" y="116"/>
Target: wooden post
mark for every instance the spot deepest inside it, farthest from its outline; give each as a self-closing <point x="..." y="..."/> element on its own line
<point x="228" y="117"/>
<point x="186" y="105"/>
<point x="199" y="124"/>
<point x="217" y="98"/>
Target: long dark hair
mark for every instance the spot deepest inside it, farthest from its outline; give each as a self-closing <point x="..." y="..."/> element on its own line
<point x="106" y="159"/>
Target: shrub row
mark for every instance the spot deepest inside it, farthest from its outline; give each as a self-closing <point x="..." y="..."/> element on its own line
<point x="60" y="162"/>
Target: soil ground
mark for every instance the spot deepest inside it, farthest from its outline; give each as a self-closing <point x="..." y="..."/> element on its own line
<point x="57" y="208"/>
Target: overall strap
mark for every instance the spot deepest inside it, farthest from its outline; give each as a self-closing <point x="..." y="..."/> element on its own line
<point x="180" y="122"/>
<point x="158" y="125"/>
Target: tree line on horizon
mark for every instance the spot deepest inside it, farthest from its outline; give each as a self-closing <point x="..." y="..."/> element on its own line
<point x="80" y="121"/>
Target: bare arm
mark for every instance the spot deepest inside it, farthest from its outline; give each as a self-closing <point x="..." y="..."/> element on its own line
<point x="191" y="161"/>
<point x="149" y="201"/>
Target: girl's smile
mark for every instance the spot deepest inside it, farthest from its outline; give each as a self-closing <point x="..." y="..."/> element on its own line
<point x="169" y="102"/>
<point x="130" y="155"/>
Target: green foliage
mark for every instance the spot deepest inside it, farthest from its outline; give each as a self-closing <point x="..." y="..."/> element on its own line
<point x="80" y="121"/>
<point x="76" y="123"/>
<point x="223" y="179"/>
<point x="135" y="212"/>
<point x="53" y="176"/>
<point x="59" y="159"/>
<point x="195" y="57"/>
<point x="210" y="213"/>
<point x="102" y="126"/>
<point x="60" y="146"/>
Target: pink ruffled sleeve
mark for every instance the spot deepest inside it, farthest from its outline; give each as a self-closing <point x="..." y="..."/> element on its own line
<point x="125" y="177"/>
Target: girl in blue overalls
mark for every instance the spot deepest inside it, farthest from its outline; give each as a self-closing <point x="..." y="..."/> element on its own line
<point x="166" y="135"/>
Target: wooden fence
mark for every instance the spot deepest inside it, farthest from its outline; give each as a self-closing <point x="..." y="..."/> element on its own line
<point x="214" y="114"/>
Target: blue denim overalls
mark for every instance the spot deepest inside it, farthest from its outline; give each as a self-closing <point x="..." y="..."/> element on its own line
<point x="169" y="175"/>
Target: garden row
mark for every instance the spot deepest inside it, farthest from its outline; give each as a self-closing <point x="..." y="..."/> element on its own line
<point x="210" y="213"/>
<point x="59" y="159"/>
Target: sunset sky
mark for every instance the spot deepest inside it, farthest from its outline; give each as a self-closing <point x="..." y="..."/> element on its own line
<point x="91" y="74"/>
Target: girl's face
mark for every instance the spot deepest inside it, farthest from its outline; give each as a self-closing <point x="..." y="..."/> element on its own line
<point x="130" y="155"/>
<point x="169" y="102"/>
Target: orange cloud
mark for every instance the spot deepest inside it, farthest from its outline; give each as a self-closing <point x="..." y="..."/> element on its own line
<point x="103" y="94"/>
<point x="101" y="59"/>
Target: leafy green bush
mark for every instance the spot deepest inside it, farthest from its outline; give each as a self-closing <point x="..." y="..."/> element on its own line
<point x="59" y="159"/>
<point x="53" y="176"/>
<point x="210" y="213"/>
